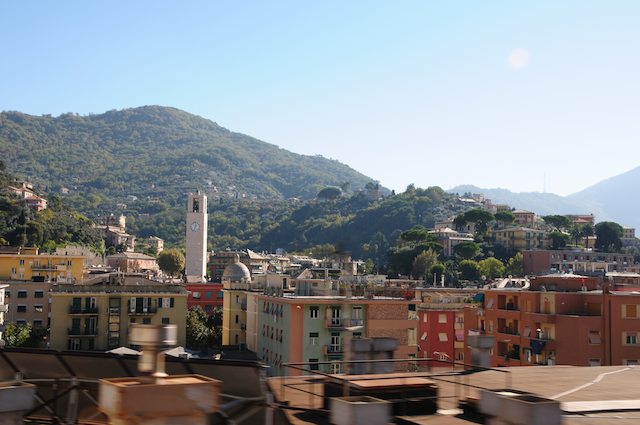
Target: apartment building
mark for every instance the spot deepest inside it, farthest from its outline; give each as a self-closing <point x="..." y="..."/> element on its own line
<point x="516" y="239"/>
<point x="316" y="329"/>
<point x="27" y="302"/>
<point x="449" y="238"/>
<point x="524" y="218"/>
<point x="562" y="320"/>
<point x="442" y="322"/>
<point x="96" y="315"/>
<point x="208" y="296"/>
<point x="133" y="262"/>
<point x="26" y="264"/>
<point x="584" y="261"/>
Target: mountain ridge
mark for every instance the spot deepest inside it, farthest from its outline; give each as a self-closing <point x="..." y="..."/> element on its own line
<point x="608" y="200"/>
<point x="151" y="147"/>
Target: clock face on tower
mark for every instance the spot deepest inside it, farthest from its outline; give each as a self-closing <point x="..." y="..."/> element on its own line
<point x="194" y="226"/>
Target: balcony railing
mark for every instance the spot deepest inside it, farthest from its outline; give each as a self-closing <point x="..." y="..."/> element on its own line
<point x="334" y="323"/>
<point x="508" y="331"/>
<point x="82" y="310"/>
<point x="357" y="322"/>
<point x="333" y="349"/>
<point x="82" y="332"/>
<point x="143" y="310"/>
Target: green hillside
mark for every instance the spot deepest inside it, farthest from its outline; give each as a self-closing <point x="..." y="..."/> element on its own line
<point x="159" y="153"/>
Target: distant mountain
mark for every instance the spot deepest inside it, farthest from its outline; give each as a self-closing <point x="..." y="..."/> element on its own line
<point x="155" y="152"/>
<point x="617" y="196"/>
<point x="608" y="200"/>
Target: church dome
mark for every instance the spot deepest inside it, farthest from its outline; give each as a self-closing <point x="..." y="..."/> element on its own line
<point x="236" y="272"/>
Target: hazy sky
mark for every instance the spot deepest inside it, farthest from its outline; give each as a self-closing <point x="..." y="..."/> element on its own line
<point x="494" y="93"/>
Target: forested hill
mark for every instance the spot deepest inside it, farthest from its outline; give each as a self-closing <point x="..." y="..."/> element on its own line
<point x="160" y="153"/>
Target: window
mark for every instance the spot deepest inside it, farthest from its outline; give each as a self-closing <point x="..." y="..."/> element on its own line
<point x="237" y="318"/>
<point x="594" y="362"/>
<point x="22" y="308"/>
<point x="146" y="320"/>
<point x="7" y="294"/>
<point x="314" y="313"/>
<point x="460" y="356"/>
<point x="594" y="337"/>
<point x="74" y="344"/>
<point x="313" y="338"/>
<point x="37" y="323"/>
<point x="313" y="364"/>
<point x="632" y="362"/>
<point x="237" y="299"/>
<point x="38" y="308"/>
<point x="631" y="338"/>
<point x="630" y="311"/>
<point x="165" y="321"/>
<point x="490" y="303"/>
<point x="424" y="317"/>
<point x="22" y="294"/>
<point x="220" y="295"/>
<point x="442" y="318"/>
<point x="38" y="294"/>
<point x="21" y="322"/>
<point x="132" y="320"/>
<point x="196" y="295"/>
<point x="207" y="294"/>
<point x="442" y="337"/>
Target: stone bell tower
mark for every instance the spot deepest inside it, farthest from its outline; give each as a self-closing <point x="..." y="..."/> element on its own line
<point x="196" y="243"/>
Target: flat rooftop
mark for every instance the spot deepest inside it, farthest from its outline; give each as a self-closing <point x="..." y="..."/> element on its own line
<point x="593" y="395"/>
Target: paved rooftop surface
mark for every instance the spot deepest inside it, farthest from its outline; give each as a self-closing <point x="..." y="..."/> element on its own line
<point x="591" y="386"/>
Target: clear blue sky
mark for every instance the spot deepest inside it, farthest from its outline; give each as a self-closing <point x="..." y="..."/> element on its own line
<point x="495" y="93"/>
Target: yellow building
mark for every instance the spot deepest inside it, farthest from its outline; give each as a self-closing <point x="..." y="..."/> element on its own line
<point x="26" y="264"/>
<point x="516" y="239"/>
<point x="96" y="314"/>
<point x="236" y="281"/>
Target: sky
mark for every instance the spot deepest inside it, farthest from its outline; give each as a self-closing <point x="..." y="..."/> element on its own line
<point x="528" y="96"/>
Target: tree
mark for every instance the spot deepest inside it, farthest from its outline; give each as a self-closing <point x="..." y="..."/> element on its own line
<point x="469" y="270"/>
<point x="438" y="270"/>
<point x="330" y="193"/>
<point x="608" y="236"/>
<point x="200" y="329"/>
<point x="558" y="239"/>
<point x="16" y="336"/>
<point x="491" y="268"/>
<point x="506" y="217"/>
<point x="587" y="232"/>
<point x="171" y="261"/>
<point x="557" y="221"/>
<point x="467" y="250"/>
<point x="576" y="233"/>
<point x="515" y="265"/>
<point x="423" y="263"/>
<point x="479" y="217"/>
<point x="416" y="233"/>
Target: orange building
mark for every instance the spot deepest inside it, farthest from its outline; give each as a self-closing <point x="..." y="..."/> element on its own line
<point x="563" y="320"/>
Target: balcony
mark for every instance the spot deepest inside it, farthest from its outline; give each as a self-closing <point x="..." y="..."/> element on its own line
<point x="508" y="331"/>
<point x="143" y="311"/>
<point x="334" y="323"/>
<point x="44" y="267"/>
<point x="82" y="332"/>
<point x="357" y="322"/>
<point x="74" y="309"/>
<point x="333" y="349"/>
